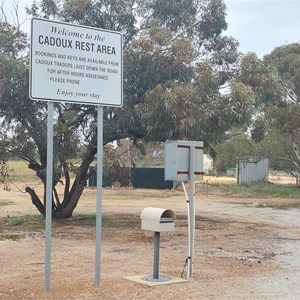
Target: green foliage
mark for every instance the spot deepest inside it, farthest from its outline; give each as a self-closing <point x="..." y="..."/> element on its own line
<point x="12" y="40"/>
<point x="235" y="147"/>
<point x="271" y="85"/>
<point x="284" y="118"/>
<point x="262" y="78"/>
<point x="114" y="169"/>
<point x="4" y="174"/>
<point x="286" y="59"/>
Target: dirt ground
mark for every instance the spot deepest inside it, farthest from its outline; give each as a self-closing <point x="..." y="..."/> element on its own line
<point x="241" y="251"/>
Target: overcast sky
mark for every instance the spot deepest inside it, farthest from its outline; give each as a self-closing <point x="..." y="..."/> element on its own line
<point x="259" y="25"/>
<point x="262" y="25"/>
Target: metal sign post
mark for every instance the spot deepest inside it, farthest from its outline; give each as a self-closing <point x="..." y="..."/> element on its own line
<point x="49" y="192"/>
<point x="99" y="196"/>
<point x="191" y="212"/>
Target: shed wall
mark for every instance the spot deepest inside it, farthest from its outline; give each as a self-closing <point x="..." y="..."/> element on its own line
<point x="253" y="169"/>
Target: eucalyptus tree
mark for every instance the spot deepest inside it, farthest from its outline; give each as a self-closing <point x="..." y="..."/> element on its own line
<point x="176" y="63"/>
<point x="274" y="85"/>
<point x="284" y="119"/>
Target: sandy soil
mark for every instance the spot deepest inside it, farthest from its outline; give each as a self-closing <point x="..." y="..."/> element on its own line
<point x="241" y="251"/>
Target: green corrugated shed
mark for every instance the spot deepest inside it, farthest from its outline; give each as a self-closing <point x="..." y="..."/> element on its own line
<point x="150" y="178"/>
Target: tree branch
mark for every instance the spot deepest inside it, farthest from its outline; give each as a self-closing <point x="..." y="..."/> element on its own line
<point x="36" y="200"/>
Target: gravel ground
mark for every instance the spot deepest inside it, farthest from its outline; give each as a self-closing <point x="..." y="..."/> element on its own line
<point x="241" y="251"/>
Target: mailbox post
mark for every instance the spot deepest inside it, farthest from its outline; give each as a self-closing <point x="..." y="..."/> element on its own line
<point x="157" y="220"/>
<point x="156" y="256"/>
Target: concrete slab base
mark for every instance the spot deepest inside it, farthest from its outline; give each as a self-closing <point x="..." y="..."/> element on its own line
<point x="139" y="279"/>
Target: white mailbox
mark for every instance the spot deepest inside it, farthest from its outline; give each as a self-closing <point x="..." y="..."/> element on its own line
<point x="157" y="219"/>
<point x="177" y="160"/>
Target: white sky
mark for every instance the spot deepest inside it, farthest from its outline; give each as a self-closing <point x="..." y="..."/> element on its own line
<point x="262" y="25"/>
<point x="259" y="25"/>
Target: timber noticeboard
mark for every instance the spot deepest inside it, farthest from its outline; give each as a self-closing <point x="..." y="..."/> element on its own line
<point x="76" y="64"/>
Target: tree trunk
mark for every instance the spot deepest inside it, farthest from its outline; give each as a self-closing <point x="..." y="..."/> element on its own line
<point x="36" y="200"/>
<point x="66" y="210"/>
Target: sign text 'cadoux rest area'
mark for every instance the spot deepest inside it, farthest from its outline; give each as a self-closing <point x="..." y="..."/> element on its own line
<point x="75" y="64"/>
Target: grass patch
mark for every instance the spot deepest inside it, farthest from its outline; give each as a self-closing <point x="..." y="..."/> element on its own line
<point x="129" y="194"/>
<point x="283" y="206"/>
<point x="110" y="220"/>
<point x="240" y="203"/>
<point x="5" y="202"/>
<point x="10" y="236"/>
<point x="16" y="221"/>
<point x="123" y="224"/>
<point x="27" y="222"/>
<point x="90" y="218"/>
<point x="34" y="226"/>
<point x="265" y="190"/>
<point x="86" y="218"/>
<point x="122" y="221"/>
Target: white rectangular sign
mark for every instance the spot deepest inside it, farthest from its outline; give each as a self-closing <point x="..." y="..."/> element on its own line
<point x="78" y="64"/>
<point x="177" y="160"/>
